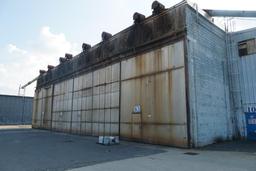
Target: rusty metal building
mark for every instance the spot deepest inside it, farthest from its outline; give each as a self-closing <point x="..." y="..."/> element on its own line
<point x="164" y="80"/>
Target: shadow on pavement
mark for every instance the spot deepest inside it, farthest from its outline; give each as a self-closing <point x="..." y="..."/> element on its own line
<point x="235" y="146"/>
<point x="30" y="149"/>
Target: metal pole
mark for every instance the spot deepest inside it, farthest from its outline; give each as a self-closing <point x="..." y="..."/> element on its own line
<point x="19" y="90"/>
<point x="23" y="108"/>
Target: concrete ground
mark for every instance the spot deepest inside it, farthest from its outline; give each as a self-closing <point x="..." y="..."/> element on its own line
<point x="26" y="149"/>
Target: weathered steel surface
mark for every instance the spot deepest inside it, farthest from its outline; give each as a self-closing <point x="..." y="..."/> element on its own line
<point x="171" y="65"/>
<point x="142" y="36"/>
<point x="87" y="104"/>
<point x="156" y="82"/>
<point x="106" y="100"/>
<point x="42" y="108"/>
<point x="95" y="92"/>
<point x="36" y="120"/>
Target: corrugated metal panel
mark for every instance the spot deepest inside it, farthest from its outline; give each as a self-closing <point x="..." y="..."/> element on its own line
<point x="156" y="82"/>
<point x="248" y="85"/>
<point x="243" y="85"/>
<point x="15" y="109"/>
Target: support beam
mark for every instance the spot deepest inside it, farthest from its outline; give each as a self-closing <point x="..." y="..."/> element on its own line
<point x="230" y="13"/>
<point x="30" y="82"/>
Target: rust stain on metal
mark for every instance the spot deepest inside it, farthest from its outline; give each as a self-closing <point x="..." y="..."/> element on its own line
<point x="149" y="78"/>
<point x="153" y="90"/>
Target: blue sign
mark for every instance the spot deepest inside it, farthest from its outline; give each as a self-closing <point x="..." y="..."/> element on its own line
<point x="251" y="125"/>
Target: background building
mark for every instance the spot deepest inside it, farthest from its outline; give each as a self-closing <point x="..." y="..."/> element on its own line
<point x="15" y="110"/>
<point x="242" y="61"/>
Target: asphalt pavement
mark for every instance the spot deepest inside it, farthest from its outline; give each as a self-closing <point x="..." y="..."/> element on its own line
<point x="26" y="149"/>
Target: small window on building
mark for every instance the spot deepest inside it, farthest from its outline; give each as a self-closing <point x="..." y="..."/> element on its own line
<point x="247" y="47"/>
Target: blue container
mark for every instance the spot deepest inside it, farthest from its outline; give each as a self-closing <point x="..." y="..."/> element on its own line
<point x="251" y="126"/>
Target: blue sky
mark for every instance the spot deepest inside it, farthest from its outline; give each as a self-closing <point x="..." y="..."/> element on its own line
<point x="34" y="33"/>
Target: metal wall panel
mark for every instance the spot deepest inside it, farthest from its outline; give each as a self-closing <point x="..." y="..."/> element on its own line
<point x="47" y="105"/>
<point x="242" y="79"/>
<point x="86" y="104"/>
<point x="105" y="109"/>
<point x="89" y="104"/>
<point x="36" y="123"/>
<point x="156" y="82"/>
<point x="35" y="108"/>
<point x="15" y="110"/>
<point x="42" y="113"/>
<point x="62" y="106"/>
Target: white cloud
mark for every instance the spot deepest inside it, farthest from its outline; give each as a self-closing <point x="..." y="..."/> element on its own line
<point x="13" y="49"/>
<point x="2" y="69"/>
<point x="56" y="42"/>
<point x="46" y="50"/>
